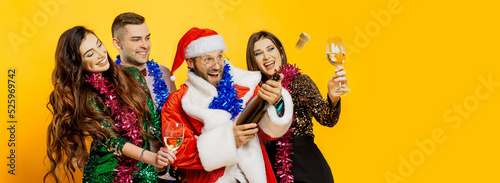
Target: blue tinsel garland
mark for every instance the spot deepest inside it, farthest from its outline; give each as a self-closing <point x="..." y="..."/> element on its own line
<point x="159" y="85"/>
<point x="118" y="61"/>
<point x="227" y="98"/>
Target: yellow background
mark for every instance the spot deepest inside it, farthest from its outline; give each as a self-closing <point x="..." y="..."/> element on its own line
<point x="407" y="73"/>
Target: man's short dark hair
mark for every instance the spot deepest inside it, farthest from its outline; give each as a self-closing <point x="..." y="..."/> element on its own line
<point x="125" y="19"/>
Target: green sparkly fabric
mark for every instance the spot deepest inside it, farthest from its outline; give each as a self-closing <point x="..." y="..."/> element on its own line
<point x="104" y="152"/>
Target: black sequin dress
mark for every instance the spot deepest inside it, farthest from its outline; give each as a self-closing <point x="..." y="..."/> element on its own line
<point x="309" y="165"/>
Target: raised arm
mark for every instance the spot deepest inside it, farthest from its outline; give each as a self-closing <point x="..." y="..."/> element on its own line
<point x="325" y="112"/>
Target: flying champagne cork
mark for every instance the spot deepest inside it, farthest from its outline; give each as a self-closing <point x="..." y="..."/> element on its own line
<point x="304" y="38"/>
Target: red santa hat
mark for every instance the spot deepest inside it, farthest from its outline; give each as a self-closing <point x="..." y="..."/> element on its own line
<point x="194" y="43"/>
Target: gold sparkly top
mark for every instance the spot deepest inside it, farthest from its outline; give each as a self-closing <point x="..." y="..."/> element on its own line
<point x="308" y="102"/>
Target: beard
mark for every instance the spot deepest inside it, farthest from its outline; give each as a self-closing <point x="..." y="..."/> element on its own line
<point x="204" y="75"/>
<point x="131" y="60"/>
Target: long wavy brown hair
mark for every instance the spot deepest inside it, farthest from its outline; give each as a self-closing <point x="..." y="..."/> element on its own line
<point x="251" y="63"/>
<point x="74" y="119"/>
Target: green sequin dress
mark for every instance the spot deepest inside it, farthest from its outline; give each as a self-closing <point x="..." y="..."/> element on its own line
<point x="104" y="153"/>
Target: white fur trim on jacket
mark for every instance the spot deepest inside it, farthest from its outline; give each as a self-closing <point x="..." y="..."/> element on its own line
<point x="216" y="144"/>
<point x="204" y="45"/>
<point x="217" y="132"/>
<point x="273" y="125"/>
<point x="249" y="79"/>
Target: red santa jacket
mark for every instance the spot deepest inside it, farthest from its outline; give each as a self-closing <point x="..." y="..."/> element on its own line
<point x="208" y="152"/>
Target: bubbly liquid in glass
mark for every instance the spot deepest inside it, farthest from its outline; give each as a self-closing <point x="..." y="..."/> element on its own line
<point x="173" y="142"/>
<point x="335" y="58"/>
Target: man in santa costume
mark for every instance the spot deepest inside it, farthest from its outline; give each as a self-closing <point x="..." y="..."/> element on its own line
<point x="214" y="148"/>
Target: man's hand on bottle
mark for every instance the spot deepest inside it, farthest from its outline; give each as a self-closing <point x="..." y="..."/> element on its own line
<point x="244" y="133"/>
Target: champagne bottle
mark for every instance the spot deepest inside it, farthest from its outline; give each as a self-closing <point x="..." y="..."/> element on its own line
<point x="255" y="108"/>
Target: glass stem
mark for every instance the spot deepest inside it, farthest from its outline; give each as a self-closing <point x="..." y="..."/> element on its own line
<point x="340" y="84"/>
<point x="168" y="171"/>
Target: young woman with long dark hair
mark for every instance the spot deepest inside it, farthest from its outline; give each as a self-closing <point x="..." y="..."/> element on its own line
<point x="95" y="100"/>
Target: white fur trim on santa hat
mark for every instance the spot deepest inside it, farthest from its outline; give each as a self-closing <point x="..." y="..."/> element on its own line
<point x="204" y="45"/>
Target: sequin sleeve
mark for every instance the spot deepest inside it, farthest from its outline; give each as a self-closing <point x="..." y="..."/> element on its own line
<point x="113" y="143"/>
<point x="322" y="109"/>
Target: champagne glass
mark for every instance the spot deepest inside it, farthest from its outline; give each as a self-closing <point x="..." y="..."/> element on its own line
<point x="173" y="137"/>
<point x="335" y="53"/>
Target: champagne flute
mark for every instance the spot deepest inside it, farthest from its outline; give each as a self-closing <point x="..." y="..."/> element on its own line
<point x="173" y="137"/>
<point x="335" y="53"/>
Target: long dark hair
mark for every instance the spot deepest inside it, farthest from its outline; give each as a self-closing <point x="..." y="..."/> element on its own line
<point x="251" y="63"/>
<point x="73" y="117"/>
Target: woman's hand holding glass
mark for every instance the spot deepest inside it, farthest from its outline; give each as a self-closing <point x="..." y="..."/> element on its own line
<point x="338" y="79"/>
<point x="173" y="137"/>
<point x="335" y="53"/>
<point x="165" y="157"/>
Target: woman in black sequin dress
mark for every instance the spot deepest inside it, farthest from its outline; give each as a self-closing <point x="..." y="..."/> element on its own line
<point x="265" y="53"/>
